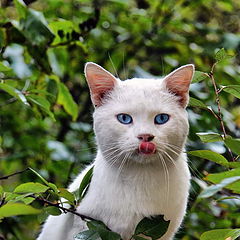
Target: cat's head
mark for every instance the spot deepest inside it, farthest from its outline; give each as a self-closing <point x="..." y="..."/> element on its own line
<point x="139" y="120"/>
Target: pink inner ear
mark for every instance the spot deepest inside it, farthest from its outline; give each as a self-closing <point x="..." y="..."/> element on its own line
<point x="178" y="83"/>
<point x="100" y="82"/>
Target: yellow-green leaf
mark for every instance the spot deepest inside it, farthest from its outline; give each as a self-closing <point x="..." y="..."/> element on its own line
<point x="221" y="234"/>
<point x="233" y="144"/>
<point x="210" y="155"/>
<point x="4" y="68"/>
<point x="232" y="89"/>
<point x="218" y="177"/>
<point x="193" y="102"/>
<point x="31" y="187"/>
<point x="210" y="137"/>
<point x="14" y="209"/>
<point x="199" y="76"/>
<point x="14" y="92"/>
<point x="210" y="191"/>
<point x="66" y="100"/>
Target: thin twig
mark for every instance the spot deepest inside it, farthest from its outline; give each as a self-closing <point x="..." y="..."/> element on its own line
<point x="13" y="174"/>
<point x="219" y="114"/>
<point x="9" y="101"/>
<point x="45" y="201"/>
<point x="10" y="78"/>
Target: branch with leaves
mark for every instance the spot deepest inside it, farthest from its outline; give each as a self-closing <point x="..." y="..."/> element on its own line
<point x="19" y="203"/>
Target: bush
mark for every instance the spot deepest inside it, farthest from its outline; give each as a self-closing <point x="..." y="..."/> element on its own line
<point x="46" y="135"/>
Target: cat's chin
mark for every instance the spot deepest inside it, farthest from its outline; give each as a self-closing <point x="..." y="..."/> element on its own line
<point x="144" y="157"/>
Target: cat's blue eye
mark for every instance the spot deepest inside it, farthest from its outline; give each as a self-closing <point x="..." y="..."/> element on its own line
<point x="161" y="118"/>
<point x="124" y="118"/>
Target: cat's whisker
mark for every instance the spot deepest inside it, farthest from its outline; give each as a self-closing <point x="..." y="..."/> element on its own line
<point x="171" y="145"/>
<point x="166" y="175"/>
<point x="176" y="153"/>
<point x="123" y="161"/>
<point x="169" y="158"/>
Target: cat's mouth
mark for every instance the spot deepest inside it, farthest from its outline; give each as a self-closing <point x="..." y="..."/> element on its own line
<point x="147" y="148"/>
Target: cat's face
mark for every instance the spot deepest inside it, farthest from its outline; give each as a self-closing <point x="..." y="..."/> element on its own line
<point x="139" y="120"/>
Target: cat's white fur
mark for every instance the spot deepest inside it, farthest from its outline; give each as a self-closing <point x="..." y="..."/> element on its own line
<point x="127" y="186"/>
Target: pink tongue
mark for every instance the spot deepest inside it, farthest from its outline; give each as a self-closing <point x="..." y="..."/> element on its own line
<point x="147" y="147"/>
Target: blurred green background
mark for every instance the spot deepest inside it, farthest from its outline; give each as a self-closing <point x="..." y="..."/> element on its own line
<point x="46" y="124"/>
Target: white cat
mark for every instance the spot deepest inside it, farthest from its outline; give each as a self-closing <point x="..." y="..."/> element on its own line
<point x="140" y="169"/>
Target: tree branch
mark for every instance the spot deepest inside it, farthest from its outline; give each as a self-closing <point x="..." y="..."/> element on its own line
<point x="13" y="174"/>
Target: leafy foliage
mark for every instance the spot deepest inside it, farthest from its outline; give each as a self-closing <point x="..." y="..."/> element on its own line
<point x="154" y="227"/>
<point x="45" y="107"/>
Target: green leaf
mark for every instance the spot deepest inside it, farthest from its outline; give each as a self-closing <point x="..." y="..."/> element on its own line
<point x="21" y="8"/>
<point x="218" y="177"/>
<point x="12" y="197"/>
<point x="193" y="102"/>
<point x="210" y="137"/>
<point x="226" y="198"/>
<point x="233" y="144"/>
<point x="85" y="183"/>
<point x="31" y="187"/>
<point x="28" y="200"/>
<point x="14" y="209"/>
<point x="1" y="190"/>
<point x="210" y="155"/>
<point x="14" y="92"/>
<point x="50" y="185"/>
<point x="221" y="234"/>
<point x="39" y="54"/>
<point x="66" y="100"/>
<point x="40" y="177"/>
<point x="221" y="55"/>
<point x="199" y="76"/>
<point x="42" y="102"/>
<point x="234" y="164"/>
<point x="4" y="68"/>
<point x="210" y="191"/>
<point x="53" y="187"/>
<point x="154" y="227"/>
<point x="95" y="225"/>
<point x="64" y="193"/>
<point x="233" y="89"/>
<point x="108" y="235"/>
<point x="87" y="235"/>
<point x="100" y="228"/>
<point x="53" y="211"/>
<point x="35" y="29"/>
<point x="61" y="28"/>
<point x="42" y="216"/>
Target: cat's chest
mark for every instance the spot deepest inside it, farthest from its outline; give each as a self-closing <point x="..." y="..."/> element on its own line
<point x="136" y="192"/>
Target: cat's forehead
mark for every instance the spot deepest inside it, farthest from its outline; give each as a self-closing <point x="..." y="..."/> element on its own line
<point x="142" y="82"/>
<point x="140" y="87"/>
<point x="140" y="94"/>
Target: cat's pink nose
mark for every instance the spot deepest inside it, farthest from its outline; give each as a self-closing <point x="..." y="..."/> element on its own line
<point x="145" y="137"/>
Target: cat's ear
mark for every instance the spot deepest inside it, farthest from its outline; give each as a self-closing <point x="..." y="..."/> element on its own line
<point x="100" y="82"/>
<point x="178" y="82"/>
